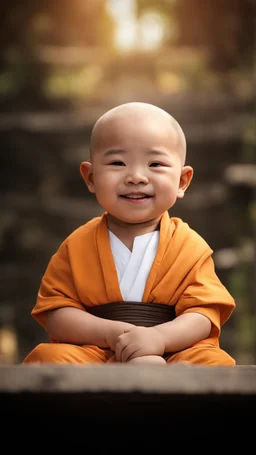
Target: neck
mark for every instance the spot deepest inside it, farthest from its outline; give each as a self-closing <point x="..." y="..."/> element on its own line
<point x="126" y="232"/>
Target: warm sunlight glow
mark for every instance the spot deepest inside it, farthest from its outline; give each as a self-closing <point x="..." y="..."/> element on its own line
<point x="144" y="34"/>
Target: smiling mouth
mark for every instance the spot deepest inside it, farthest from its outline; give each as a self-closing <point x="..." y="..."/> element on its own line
<point x="136" y="196"/>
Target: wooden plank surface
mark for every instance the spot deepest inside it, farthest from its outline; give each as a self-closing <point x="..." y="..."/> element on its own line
<point x="127" y="378"/>
<point x="114" y="394"/>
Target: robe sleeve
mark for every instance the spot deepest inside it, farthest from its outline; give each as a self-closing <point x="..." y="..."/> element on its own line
<point x="205" y="294"/>
<point x="57" y="288"/>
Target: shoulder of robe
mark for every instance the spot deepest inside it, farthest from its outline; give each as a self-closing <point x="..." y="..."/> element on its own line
<point x="83" y="233"/>
<point x="188" y="238"/>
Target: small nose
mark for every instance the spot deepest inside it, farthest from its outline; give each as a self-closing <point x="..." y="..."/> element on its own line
<point x="135" y="177"/>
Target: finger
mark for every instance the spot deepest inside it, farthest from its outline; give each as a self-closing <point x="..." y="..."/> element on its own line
<point x="126" y="353"/>
<point x="133" y="355"/>
<point x="119" y="349"/>
<point x="129" y="352"/>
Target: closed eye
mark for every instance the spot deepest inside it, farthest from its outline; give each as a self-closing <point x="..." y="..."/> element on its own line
<point x="116" y="163"/>
<point x="156" y="164"/>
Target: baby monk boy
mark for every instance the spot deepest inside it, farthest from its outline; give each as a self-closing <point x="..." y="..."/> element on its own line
<point x="136" y="284"/>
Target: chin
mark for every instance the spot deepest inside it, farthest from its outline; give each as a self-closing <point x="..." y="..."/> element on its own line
<point x="129" y="221"/>
<point x="132" y="220"/>
<point x="139" y="220"/>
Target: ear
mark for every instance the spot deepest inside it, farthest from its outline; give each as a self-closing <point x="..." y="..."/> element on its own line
<point x="185" y="180"/>
<point x="87" y="174"/>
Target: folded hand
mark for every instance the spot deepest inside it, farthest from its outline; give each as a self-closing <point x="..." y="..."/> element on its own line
<point x="137" y="342"/>
<point x="114" y="331"/>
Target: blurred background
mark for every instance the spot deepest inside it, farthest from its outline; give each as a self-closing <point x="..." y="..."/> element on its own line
<point x="63" y="64"/>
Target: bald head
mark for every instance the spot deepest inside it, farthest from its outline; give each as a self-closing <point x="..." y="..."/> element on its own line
<point x="137" y="113"/>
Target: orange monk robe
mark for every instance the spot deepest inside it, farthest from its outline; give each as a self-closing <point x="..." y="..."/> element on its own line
<point x="83" y="273"/>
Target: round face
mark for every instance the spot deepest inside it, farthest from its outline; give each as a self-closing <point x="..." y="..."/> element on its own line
<point x="137" y="169"/>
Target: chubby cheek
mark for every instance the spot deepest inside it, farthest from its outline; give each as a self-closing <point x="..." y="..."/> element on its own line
<point x="168" y="194"/>
<point x="105" y="189"/>
<point x="102" y="181"/>
<point x="168" y="187"/>
<point x="168" y="199"/>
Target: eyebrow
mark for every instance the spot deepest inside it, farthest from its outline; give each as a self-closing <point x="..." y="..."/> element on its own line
<point x="111" y="152"/>
<point x="157" y="152"/>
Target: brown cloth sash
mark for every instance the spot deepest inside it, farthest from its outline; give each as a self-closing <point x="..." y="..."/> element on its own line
<point x="137" y="313"/>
